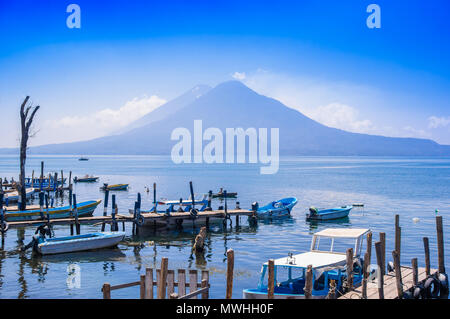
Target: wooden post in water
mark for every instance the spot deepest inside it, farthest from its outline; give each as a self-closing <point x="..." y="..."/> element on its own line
<point x="230" y="270"/>
<point x="365" y="275"/>
<point x="426" y="247"/>
<point x="440" y="244"/>
<point x="415" y="271"/>
<point x="32" y="179"/>
<point x="70" y="180"/>
<point x="41" y="180"/>
<point x="106" y="291"/>
<point x="163" y="278"/>
<point x="369" y="245"/>
<point x="380" y="275"/>
<point x="308" y="282"/>
<point x="105" y="207"/>
<point x="383" y="252"/>
<point x="271" y="279"/>
<point x="349" y="255"/>
<point x="398" y="274"/>
<point x="398" y="232"/>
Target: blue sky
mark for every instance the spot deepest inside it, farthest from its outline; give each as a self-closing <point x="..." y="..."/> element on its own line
<point x="319" y="57"/>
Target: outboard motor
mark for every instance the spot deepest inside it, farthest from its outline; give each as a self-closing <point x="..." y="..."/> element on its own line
<point x="313" y="211"/>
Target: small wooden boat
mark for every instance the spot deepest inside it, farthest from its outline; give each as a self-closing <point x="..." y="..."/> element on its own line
<point x="328" y="264"/>
<point x="221" y="194"/>
<point x="277" y="209"/>
<point x="13" y="197"/>
<point x="327" y="214"/>
<point x="69" y="244"/>
<point x="84" y="209"/>
<point x="115" y="187"/>
<point x="85" y="179"/>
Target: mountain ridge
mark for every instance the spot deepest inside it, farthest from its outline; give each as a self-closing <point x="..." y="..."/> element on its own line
<point x="231" y="105"/>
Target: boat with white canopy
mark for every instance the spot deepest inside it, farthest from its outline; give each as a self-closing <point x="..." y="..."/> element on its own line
<point x="327" y="257"/>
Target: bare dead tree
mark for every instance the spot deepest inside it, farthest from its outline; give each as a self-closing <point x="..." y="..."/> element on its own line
<point x="26" y="119"/>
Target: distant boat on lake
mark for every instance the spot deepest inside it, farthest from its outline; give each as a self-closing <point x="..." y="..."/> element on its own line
<point x="115" y="187"/>
<point x="83" y="159"/>
<point x="85" y="179"/>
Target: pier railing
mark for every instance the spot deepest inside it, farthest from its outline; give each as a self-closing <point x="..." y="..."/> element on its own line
<point x="166" y="285"/>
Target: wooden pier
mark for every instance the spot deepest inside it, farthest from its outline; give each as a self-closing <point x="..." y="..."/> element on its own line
<point x="148" y="218"/>
<point x="389" y="284"/>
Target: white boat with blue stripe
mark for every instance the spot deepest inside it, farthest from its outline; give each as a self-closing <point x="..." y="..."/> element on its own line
<point x="69" y="244"/>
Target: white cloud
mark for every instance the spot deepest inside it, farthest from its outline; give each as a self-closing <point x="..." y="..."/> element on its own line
<point x="239" y="76"/>
<point x="340" y="116"/>
<point x="435" y="122"/>
<point x="105" y="121"/>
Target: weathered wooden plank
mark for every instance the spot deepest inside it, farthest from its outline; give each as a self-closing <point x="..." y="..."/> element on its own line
<point x="149" y="283"/>
<point x="193" y="278"/>
<point x="181" y="282"/>
<point x="170" y="281"/>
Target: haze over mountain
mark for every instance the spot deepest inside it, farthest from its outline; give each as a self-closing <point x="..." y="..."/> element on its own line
<point x="168" y="108"/>
<point x="232" y="105"/>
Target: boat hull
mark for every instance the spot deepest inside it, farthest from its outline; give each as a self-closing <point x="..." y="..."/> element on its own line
<point x="80" y="243"/>
<point x="84" y="209"/>
<point x="331" y="214"/>
<point x="271" y="212"/>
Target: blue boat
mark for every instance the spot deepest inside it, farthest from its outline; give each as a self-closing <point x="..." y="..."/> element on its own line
<point x="69" y="244"/>
<point x="84" y="209"/>
<point x="277" y="209"/>
<point x="327" y="214"/>
<point x="328" y="263"/>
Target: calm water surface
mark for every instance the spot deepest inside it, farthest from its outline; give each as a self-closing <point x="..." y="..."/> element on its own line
<point x="411" y="187"/>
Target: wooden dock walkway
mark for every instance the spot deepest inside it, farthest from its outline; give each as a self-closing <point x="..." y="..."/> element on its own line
<point x="390" y="285"/>
<point x="148" y="218"/>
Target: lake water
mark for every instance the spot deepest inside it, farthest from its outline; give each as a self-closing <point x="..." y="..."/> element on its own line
<point x="411" y="187"/>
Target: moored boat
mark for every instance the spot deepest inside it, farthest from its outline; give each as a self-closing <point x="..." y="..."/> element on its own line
<point x="277" y="209"/>
<point x="221" y="194"/>
<point x="86" y="208"/>
<point x="327" y="264"/>
<point x="69" y="244"/>
<point x="327" y="214"/>
<point x="13" y="197"/>
<point x="85" y="179"/>
<point x="115" y="187"/>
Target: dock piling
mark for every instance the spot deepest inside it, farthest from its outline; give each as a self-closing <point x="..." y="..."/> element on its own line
<point x="398" y="274"/>
<point x="349" y="255"/>
<point x="308" y="282"/>
<point x="380" y="275"/>
<point x="230" y="271"/>
<point x="105" y="206"/>
<point x="383" y="253"/>
<point x="271" y="279"/>
<point x="163" y="279"/>
<point x="415" y="270"/>
<point x="426" y="246"/>
<point x="365" y="275"/>
<point x="440" y="244"/>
